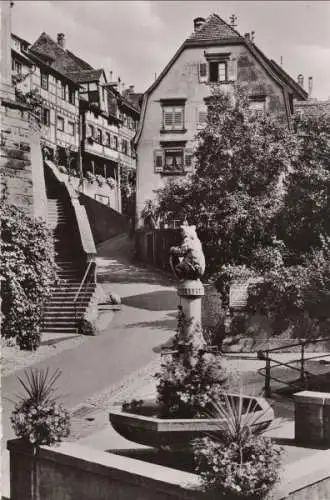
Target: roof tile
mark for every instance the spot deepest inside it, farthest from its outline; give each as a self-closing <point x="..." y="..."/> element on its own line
<point x="214" y="29"/>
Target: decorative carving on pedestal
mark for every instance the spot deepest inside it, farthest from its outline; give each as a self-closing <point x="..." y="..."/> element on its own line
<point x="191" y="288"/>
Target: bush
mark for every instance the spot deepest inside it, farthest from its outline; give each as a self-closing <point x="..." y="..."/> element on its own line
<point x="240" y="465"/>
<point x="85" y="327"/>
<point x="189" y="378"/>
<point x="37" y="418"/>
<point x="100" y="180"/>
<point x="232" y="471"/>
<point x="28" y="272"/>
<point x="90" y="177"/>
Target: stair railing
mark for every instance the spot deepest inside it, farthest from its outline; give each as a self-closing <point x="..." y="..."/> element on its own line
<point x="273" y="363"/>
<point x="81" y="286"/>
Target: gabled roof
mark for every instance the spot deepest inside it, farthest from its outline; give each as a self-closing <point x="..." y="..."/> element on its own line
<point x="288" y="79"/>
<point x="80" y="62"/>
<point x="213" y="29"/>
<point x="20" y="39"/>
<point x="45" y="46"/>
<point x="86" y="75"/>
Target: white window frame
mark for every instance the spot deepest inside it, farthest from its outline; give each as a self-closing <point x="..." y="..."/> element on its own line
<point x="60" y="119"/>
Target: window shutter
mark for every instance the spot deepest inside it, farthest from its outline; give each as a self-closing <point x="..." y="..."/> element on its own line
<point x="159" y="160"/>
<point x="188" y="159"/>
<point x="201" y="116"/>
<point x="203" y="72"/>
<point x="178" y="118"/>
<point x="232" y="70"/>
<point x="168" y="118"/>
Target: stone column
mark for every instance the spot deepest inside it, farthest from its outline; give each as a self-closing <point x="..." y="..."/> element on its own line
<point x="312" y="417"/>
<point x="191" y="293"/>
<point x="5" y="49"/>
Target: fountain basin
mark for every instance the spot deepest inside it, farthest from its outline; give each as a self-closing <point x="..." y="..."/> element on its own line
<point x="146" y="428"/>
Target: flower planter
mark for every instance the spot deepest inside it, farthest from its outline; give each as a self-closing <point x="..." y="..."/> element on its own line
<point x="144" y="427"/>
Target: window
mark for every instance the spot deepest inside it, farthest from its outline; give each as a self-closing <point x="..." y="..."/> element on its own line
<point x="63" y="91"/>
<point x="201" y="116"/>
<point x="71" y="128"/>
<point x="107" y="139"/>
<point x="44" y="81"/>
<point x="16" y="67"/>
<point x="72" y="96"/>
<point x="173" y="161"/>
<point x="115" y="142"/>
<point x="84" y="87"/>
<point x="218" y="71"/>
<point x="93" y="86"/>
<point x="60" y="123"/>
<point x="124" y="146"/>
<point x="173" y="117"/>
<point x="218" y="68"/>
<point x="98" y="137"/>
<point x="91" y="131"/>
<point x="45" y="118"/>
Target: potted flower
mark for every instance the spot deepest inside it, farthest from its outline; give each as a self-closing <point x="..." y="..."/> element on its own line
<point x="37" y="417"/>
<point x="111" y="182"/>
<point x="100" y="180"/>
<point x="240" y="465"/>
<point x="90" y="177"/>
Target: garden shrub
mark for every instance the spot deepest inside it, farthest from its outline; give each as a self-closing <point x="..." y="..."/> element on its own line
<point x="28" y="272"/>
<point x="189" y="378"/>
<point x="240" y="464"/>
<point x="37" y="417"/>
<point x="85" y="327"/>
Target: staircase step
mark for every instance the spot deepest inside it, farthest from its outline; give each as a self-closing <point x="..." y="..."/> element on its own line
<point x="52" y="329"/>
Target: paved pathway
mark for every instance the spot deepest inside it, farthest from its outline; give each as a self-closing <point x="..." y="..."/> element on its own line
<point x="146" y="320"/>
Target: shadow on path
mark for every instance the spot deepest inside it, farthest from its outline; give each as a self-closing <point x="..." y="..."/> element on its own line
<point x="161" y="300"/>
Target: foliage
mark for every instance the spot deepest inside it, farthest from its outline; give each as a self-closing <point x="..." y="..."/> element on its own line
<point x="28" y="271"/>
<point x="296" y="296"/>
<point x="132" y="406"/>
<point x="85" y="327"/>
<point x="100" y="180"/>
<point x="111" y="182"/>
<point x="90" y="177"/>
<point x="37" y="417"/>
<point x="189" y="377"/>
<point x="32" y="99"/>
<point x="240" y="464"/>
<point x="235" y="193"/>
<point x="230" y="470"/>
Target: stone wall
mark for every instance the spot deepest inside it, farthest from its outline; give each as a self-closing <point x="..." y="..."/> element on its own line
<point x="78" y="472"/>
<point x="21" y="167"/>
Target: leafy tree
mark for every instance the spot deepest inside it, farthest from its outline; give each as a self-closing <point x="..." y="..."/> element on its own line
<point x="27" y="271"/>
<point x="235" y="193"/>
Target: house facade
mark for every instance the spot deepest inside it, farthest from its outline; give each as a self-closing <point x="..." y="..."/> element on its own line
<point x="175" y="106"/>
<point x="86" y="122"/>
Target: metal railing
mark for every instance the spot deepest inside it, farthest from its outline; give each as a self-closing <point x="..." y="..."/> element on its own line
<point x="88" y="275"/>
<point x="272" y="363"/>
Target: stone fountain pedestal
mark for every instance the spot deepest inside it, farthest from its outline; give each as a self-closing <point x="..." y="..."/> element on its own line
<point x="190" y="293"/>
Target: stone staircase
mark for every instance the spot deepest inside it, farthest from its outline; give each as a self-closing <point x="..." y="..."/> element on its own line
<point x="60" y="312"/>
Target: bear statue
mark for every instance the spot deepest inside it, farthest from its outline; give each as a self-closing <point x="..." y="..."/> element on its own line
<point x="187" y="261"/>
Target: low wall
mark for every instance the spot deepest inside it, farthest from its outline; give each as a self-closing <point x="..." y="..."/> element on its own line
<point x="104" y="221"/>
<point x="72" y="471"/>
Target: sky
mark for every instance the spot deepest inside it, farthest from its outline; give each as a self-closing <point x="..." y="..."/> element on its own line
<point x="136" y="39"/>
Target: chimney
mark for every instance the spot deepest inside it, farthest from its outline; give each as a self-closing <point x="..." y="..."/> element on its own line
<point x="310" y="86"/>
<point x="300" y="80"/>
<point x="61" y="40"/>
<point x="110" y="76"/>
<point x="198" y="22"/>
<point x="131" y="89"/>
<point x="247" y="36"/>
